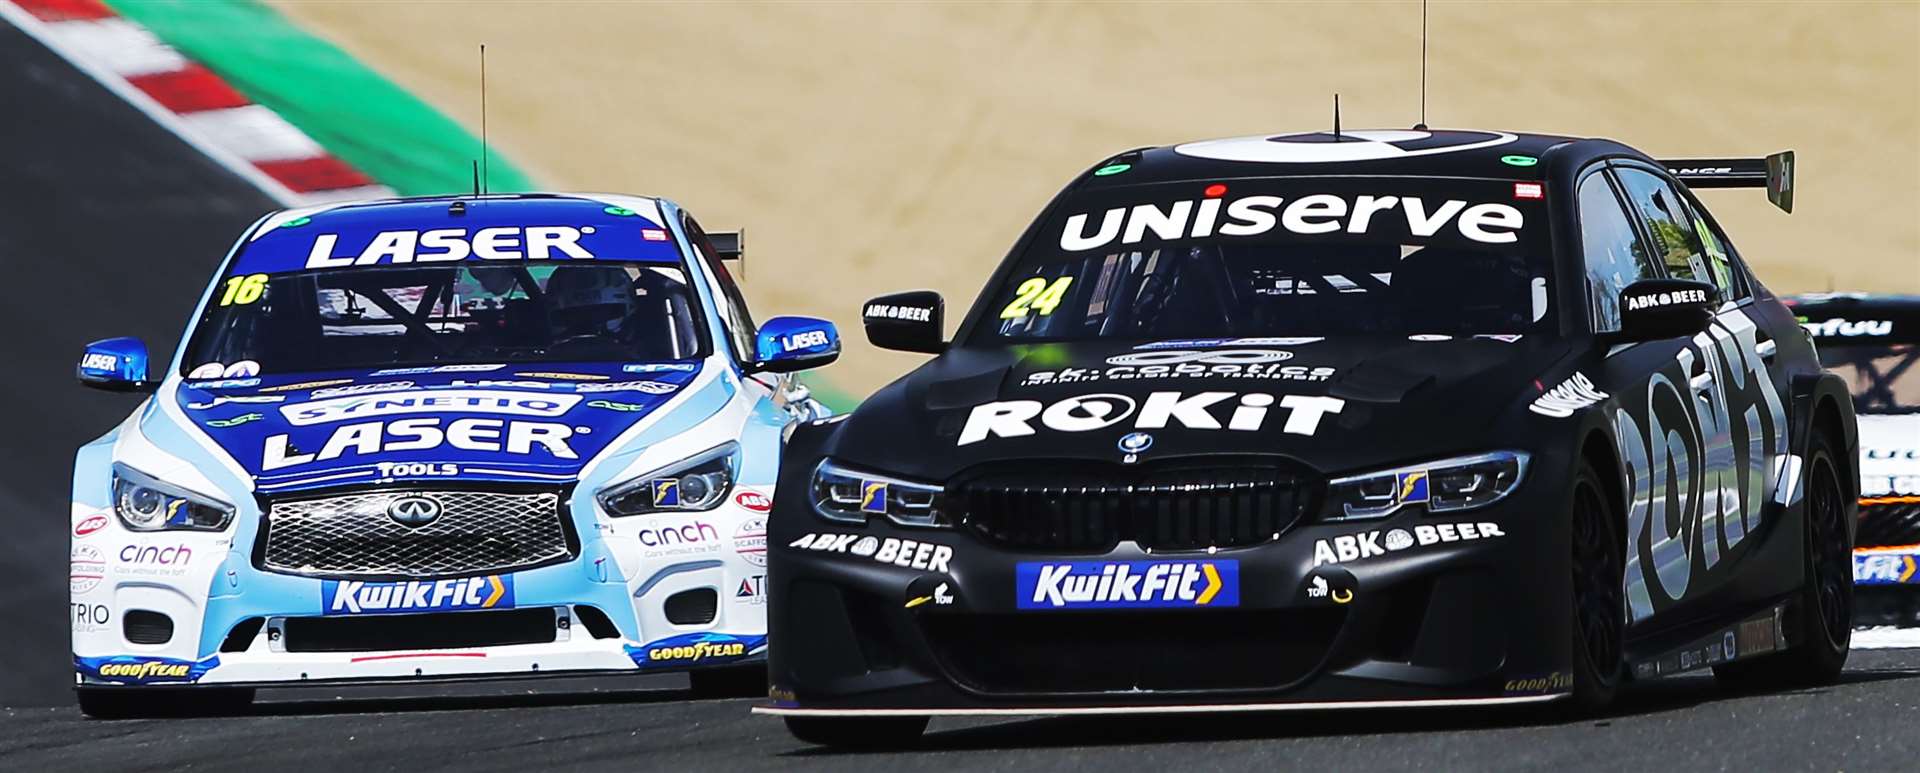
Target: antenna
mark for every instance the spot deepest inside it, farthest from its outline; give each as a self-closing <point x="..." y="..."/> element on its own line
<point x="1423" y="67"/>
<point x="1336" y="116"/>
<point x="476" y="178"/>
<point x="485" y="179"/>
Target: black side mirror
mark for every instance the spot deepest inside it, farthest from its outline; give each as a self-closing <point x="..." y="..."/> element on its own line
<point x="1654" y="309"/>
<point x="906" y="322"/>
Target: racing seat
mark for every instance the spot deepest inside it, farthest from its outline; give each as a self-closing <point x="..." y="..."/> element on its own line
<point x="662" y="317"/>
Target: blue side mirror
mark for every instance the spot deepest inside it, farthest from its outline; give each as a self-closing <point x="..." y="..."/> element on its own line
<point x="788" y="344"/>
<point x="116" y="365"/>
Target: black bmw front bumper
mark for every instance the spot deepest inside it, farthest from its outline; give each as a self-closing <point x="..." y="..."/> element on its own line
<point x="1409" y="608"/>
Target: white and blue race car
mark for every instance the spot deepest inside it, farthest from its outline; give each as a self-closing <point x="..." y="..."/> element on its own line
<point x="439" y="438"/>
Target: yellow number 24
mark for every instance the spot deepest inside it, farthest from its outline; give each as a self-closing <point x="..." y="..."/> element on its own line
<point x="1037" y="295"/>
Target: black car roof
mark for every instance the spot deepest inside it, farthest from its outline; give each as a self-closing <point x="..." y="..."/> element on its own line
<point x="1408" y="152"/>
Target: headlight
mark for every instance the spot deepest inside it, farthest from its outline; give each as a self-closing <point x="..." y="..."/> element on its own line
<point x="1447" y="485"/>
<point x="146" y="504"/>
<point x="849" y="496"/>
<point x="699" y="482"/>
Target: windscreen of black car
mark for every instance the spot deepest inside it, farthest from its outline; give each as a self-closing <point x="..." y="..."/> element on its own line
<point x="1296" y="256"/>
<point x="1878" y="355"/>
<point x="604" y="311"/>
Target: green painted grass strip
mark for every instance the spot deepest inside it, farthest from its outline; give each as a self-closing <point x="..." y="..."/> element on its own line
<point x="352" y="111"/>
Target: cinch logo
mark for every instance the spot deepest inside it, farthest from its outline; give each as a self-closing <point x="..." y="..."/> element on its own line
<point x="534" y="242"/>
<point x="439" y="401"/>
<point x="1319" y="213"/>
<point x="378" y="437"/>
<point x="695" y="533"/>
<point x="154" y="555"/>
<point x="1127" y="584"/>
<point x="353" y="597"/>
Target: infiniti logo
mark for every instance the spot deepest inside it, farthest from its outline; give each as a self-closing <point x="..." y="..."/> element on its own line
<point x="413" y="511"/>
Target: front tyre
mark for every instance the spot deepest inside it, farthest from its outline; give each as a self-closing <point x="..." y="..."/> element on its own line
<point x="858" y="732"/>
<point x="1820" y="627"/>
<point x="153" y="703"/>
<point x="1599" y="599"/>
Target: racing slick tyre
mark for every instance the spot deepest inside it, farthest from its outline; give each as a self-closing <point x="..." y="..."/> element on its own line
<point x="1599" y="599"/>
<point x="120" y="703"/>
<point x="858" y="732"/>
<point x="1821" y="624"/>
<point x="741" y="682"/>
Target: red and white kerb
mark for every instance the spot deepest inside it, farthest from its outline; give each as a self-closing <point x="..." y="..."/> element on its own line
<point x="185" y="97"/>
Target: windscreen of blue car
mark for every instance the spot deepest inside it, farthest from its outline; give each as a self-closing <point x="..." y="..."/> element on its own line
<point x="1296" y="256"/>
<point x="386" y="316"/>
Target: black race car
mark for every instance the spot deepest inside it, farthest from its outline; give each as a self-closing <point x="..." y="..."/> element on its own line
<point x="1873" y="341"/>
<point x="1384" y="418"/>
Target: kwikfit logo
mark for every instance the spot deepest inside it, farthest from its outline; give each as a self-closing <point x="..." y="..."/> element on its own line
<point x="353" y="597"/>
<point x="1829" y="328"/>
<point x="1127" y="584"/>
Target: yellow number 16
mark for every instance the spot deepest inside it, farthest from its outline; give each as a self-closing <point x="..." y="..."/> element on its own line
<point x="244" y="289"/>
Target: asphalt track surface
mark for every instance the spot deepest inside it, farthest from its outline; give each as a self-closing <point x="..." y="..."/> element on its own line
<point x="109" y="226"/>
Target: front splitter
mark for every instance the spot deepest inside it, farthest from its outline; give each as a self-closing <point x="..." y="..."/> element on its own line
<point x="1214" y="708"/>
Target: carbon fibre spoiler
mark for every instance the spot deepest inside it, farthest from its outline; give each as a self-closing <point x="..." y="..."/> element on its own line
<point x="731" y="245"/>
<point x="1775" y="173"/>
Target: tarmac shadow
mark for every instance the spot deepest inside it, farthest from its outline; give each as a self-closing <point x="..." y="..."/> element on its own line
<point x="1666" y="695"/>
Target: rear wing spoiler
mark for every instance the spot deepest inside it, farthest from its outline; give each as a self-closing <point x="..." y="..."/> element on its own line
<point x="731" y="245"/>
<point x="1775" y="173"/>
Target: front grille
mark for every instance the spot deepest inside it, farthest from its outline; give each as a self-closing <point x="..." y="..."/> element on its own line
<point x="1109" y="652"/>
<point x="433" y="631"/>
<point x="1091" y="508"/>
<point x="477" y="531"/>
<point x="1888" y="524"/>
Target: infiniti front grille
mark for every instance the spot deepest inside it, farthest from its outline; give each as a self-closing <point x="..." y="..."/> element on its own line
<point x="355" y="535"/>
